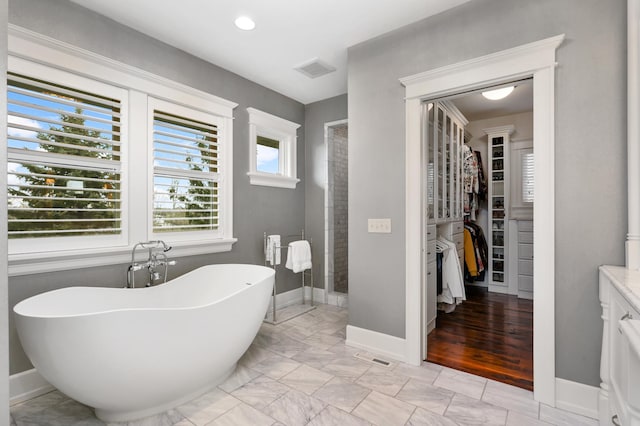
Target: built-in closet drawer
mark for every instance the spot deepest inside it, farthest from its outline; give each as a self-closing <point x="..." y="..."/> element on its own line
<point x="431" y="232"/>
<point x="525" y="236"/>
<point x="431" y="251"/>
<point x="458" y="227"/>
<point x="525" y="225"/>
<point x="461" y="259"/>
<point x="525" y="267"/>
<point x="525" y="283"/>
<point x="525" y="251"/>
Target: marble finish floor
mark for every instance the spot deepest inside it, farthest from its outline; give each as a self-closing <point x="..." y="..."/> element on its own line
<point x="301" y="373"/>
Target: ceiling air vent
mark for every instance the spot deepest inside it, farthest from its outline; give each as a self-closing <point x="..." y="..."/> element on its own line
<point x="315" y="68"/>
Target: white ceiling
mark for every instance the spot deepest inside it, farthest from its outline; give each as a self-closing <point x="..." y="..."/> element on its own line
<point x="476" y="107"/>
<point x="287" y="34"/>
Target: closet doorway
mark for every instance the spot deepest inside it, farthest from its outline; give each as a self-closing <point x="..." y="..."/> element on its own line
<point x="336" y="213"/>
<point x="490" y="333"/>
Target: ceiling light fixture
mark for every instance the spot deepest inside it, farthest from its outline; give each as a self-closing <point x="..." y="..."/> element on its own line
<point x="497" y="94"/>
<point x="245" y="23"/>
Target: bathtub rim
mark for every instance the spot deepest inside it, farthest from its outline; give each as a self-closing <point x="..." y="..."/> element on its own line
<point x="31" y="299"/>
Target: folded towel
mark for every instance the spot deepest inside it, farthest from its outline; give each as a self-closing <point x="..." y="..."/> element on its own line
<point x="299" y="256"/>
<point x="272" y="250"/>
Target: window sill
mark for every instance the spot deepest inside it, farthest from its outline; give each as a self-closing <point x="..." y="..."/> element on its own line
<point x="36" y="263"/>
<point x="267" y="179"/>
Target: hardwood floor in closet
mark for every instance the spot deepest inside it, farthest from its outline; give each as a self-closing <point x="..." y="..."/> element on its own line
<point x="490" y="335"/>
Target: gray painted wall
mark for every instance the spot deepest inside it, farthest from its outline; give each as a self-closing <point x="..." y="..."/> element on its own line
<point x="4" y="317"/>
<point x="316" y="115"/>
<point x="590" y="154"/>
<point x="256" y="208"/>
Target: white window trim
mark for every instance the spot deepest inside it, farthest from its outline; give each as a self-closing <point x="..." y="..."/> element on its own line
<point x="26" y="46"/>
<point x="284" y="131"/>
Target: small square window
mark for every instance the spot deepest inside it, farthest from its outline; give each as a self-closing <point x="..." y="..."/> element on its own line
<point x="272" y="142"/>
<point x="267" y="155"/>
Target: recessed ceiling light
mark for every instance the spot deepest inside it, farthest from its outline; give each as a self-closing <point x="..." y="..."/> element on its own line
<point x="245" y="23"/>
<point x="497" y="94"/>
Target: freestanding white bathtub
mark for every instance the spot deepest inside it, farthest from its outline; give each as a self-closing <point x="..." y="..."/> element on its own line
<point x="131" y="353"/>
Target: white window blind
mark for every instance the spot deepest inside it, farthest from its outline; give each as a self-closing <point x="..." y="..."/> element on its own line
<point x="527" y="177"/>
<point x="64" y="165"/>
<point x="186" y="177"/>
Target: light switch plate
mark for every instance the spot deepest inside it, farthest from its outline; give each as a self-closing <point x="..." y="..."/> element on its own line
<point x="379" y="226"/>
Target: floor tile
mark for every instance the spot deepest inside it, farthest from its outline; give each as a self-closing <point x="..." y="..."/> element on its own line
<point x="347" y="367"/>
<point x="342" y="394"/>
<point x="511" y="398"/>
<point x="422" y="417"/>
<point x="427" y="372"/>
<point x="208" y="407"/>
<point x="239" y="377"/>
<point x="517" y="419"/>
<point x="561" y="417"/>
<point x="332" y="416"/>
<point x="384" y="410"/>
<point x="295" y="408"/>
<point x="315" y="358"/>
<point x="288" y="347"/>
<point x="169" y="418"/>
<point x="260" y="392"/>
<point x="276" y="366"/>
<point x="243" y="414"/>
<point x="383" y="380"/>
<point x="427" y="396"/>
<point x="54" y="409"/>
<point x="469" y="411"/>
<point x="322" y="341"/>
<point x="461" y="382"/>
<point x="254" y="355"/>
<point x="306" y="379"/>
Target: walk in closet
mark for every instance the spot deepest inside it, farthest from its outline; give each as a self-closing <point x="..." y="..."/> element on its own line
<point x="478" y="193"/>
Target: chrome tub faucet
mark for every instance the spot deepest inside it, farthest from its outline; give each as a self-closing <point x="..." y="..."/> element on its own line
<point x="156" y="259"/>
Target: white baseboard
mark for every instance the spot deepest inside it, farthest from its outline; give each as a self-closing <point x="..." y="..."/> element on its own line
<point x="294" y="296"/>
<point x="525" y="295"/>
<point x="577" y="398"/>
<point x="27" y="385"/>
<point x="377" y="343"/>
<point x="340" y="300"/>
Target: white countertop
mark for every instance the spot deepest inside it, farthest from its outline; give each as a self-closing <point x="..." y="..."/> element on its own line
<point x="627" y="282"/>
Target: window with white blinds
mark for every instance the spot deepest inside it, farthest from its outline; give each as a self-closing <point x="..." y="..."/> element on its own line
<point x="186" y="175"/>
<point x="64" y="160"/>
<point x="527" y="176"/>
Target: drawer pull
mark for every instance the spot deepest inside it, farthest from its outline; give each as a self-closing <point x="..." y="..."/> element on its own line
<point x="429" y="273"/>
<point x="615" y="421"/>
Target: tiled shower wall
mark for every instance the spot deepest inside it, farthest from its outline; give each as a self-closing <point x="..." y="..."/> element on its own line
<point x="338" y="184"/>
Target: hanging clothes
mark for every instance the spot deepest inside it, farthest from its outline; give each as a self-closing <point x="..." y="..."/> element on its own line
<point x="483" y="189"/>
<point x="470" y="182"/>
<point x="452" y="282"/>
<point x="476" y="252"/>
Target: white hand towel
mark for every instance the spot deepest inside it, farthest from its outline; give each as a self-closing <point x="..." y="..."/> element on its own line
<point x="299" y="256"/>
<point x="272" y="252"/>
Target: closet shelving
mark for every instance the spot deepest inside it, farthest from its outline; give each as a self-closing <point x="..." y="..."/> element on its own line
<point x="443" y="140"/>
<point x="443" y="137"/>
<point x="498" y="144"/>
